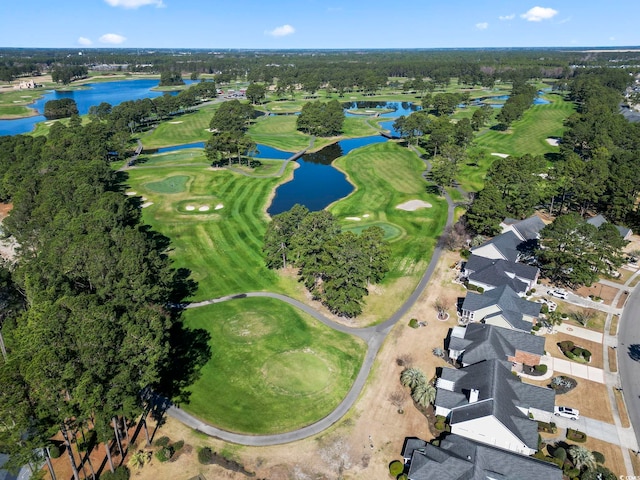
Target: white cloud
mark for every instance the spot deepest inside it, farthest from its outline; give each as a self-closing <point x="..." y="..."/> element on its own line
<point x="537" y="14"/>
<point x="482" y="26"/>
<point x="112" y="38"/>
<point x="281" y="31"/>
<point x="84" y="41"/>
<point x="134" y="3"/>
<point x="507" y="17"/>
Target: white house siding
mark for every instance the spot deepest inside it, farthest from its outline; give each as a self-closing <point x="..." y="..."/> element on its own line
<point x="498" y="322"/>
<point x="490" y="431"/>
<point x="488" y="251"/>
<point x="443" y="411"/>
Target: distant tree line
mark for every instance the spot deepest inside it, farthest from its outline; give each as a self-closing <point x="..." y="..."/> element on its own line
<point x="336" y="267"/>
<point x="67" y="74"/>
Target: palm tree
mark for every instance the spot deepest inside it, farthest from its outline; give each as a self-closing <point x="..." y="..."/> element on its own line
<point x="424" y="394"/>
<point x="582" y="457"/>
<point x="138" y="459"/>
<point x="412" y="377"/>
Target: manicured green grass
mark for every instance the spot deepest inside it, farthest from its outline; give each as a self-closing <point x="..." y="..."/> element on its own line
<point x="471" y="176"/>
<point x="189" y="156"/>
<point x="279" y="132"/>
<point x="188" y="128"/>
<point x="529" y="134"/>
<point x="273" y="369"/>
<point x="175" y="184"/>
<point x="15" y="103"/>
<point x="358" y="127"/>
<point x="222" y="248"/>
<point x="386" y="175"/>
<point x="391" y="232"/>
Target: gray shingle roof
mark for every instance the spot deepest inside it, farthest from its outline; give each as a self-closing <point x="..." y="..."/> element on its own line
<point x="499" y="395"/>
<point x="509" y="303"/>
<point x="458" y="458"/>
<point x="507" y="244"/>
<point x="598" y="220"/>
<point x="482" y="342"/>
<point x="529" y="228"/>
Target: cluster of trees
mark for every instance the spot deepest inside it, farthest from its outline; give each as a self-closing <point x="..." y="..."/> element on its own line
<point x="229" y="139"/>
<point x="170" y="77"/>
<point x="521" y="99"/>
<point x="62" y="108"/>
<point x="65" y="74"/>
<point x="335" y="266"/>
<point x="256" y="93"/>
<point x="324" y="119"/>
<point x="88" y="329"/>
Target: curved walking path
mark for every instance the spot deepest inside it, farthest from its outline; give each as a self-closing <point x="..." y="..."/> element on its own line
<point x="374" y="336"/>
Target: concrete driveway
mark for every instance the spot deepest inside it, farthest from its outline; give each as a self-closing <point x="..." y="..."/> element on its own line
<point x="607" y="432"/>
<point x="578" y="370"/>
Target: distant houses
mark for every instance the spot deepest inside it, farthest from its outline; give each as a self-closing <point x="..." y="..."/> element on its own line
<point x="598" y="220"/>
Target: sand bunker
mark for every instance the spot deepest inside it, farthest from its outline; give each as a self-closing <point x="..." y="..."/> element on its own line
<point x="366" y="215"/>
<point x="356" y="219"/>
<point x="501" y="155"/>
<point x="130" y="193"/>
<point x="146" y="204"/>
<point x="412" y="205"/>
<point x="144" y="199"/>
<point x="219" y="206"/>
<point x="175" y="123"/>
<point x="189" y="207"/>
<point x="204" y="208"/>
<point x="553" y="141"/>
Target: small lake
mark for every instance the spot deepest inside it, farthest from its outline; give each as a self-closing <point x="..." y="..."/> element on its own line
<point x="398" y="109"/>
<point x="111" y="92"/>
<point x="264" y="151"/>
<point x="316" y="183"/>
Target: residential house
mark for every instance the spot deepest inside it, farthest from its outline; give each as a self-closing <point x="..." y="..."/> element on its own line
<point x="478" y="341"/>
<point x="501" y="307"/>
<point x="526" y="230"/>
<point x="486" y="403"/>
<point x="598" y="220"/>
<point x="489" y="273"/>
<point x="458" y="458"/>
<point x="503" y="246"/>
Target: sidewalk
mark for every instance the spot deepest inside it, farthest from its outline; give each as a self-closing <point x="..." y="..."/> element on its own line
<point x="579" y="332"/>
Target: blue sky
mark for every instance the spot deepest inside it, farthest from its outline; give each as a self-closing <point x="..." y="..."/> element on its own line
<point x="278" y="24"/>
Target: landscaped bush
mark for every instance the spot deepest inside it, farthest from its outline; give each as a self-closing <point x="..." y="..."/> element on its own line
<point x="413" y="323"/>
<point x="120" y="473"/>
<point x="178" y="445"/>
<point x="164" y="454"/>
<point x="547" y="427"/>
<point x="599" y="457"/>
<point x="465" y="253"/>
<point x="162" y="442"/>
<point x="577" y="351"/>
<point x="440" y="426"/>
<point x="205" y="455"/>
<point x="572" y="473"/>
<point x="55" y="450"/>
<point x="395" y="468"/>
<point x="566" y="346"/>
<point x="544" y="309"/>
<point x="535" y="328"/>
<point x="576" y="436"/>
<point x="561" y="454"/>
<point x="542" y="368"/>
<point x="586" y="354"/>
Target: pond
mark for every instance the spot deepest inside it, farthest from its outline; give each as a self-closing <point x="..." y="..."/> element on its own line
<point x="316" y="183"/>
<point x="398" y="109"/>
<point x="263" y="151"/>
<point x="111" y="92"/>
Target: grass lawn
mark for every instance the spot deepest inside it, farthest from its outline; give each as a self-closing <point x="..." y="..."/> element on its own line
<point x="529" y="134"/>
<point x="14" y="103"/>
<point x="188" y="128"/>
<point x="386" y="175"/>
<point x="279" y="132"/>
<point x="273" y="369"/>
<point x="223" y="247"/>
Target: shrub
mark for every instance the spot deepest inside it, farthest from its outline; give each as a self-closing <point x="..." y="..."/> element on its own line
<point x="413" y="323"/>
<point x="395" y="468"/>
<point x="120" y="473"/>
<point x="480" y="290"/>
<point x="440" y="426"/>
<point x="205" y="455"/>
<point x="566" y="346"/>
<point x="164" y="454"/>
<point x="55" y="450"/>
<point x="572" y="472"/>
<point x="577" y="351"/>
<point x="544" y="308"/>
<point x="576" y="436"/>
<point x="178" y="445"/>
<point x="560" y="453"/>
<point x="586" y="354"/>
<point x="465" y="253"/>
<point x="542" y="368"/>
<point x="599" y="457"/>
<point x="162" y="442"/>
<point x="536" y="328"/>
<point x="404" y="476"/>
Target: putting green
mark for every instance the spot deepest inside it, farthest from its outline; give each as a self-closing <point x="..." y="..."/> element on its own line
<point x="298" y="373"/>
<point x="391" y="232"/>
<point x="175" y="184"/>
<point x="248" y="326"/>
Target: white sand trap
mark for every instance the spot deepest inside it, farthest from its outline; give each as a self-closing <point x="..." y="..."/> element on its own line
<point x="204" y="208"/>
<point x="553" y="141"/>
<point x="189" y="207"/>
<point x="146" y="204"/>
<point x="366" y="215"/>
<point x="130" y="194"/>
<point x="355" y="219"/>
<point x="144" y="199"/>
<point x="501" y="155"/>
<point x="175" y="123"/>
<point x="25" y="96"/>
<point x="219" y="206"/>
<point x="412" y="205"/>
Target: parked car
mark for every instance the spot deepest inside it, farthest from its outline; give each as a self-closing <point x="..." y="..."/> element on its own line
<point x="567" y="412"/>
<point x="559" y="293"/>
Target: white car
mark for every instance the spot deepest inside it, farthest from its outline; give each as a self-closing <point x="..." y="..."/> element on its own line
<point x="559" y="293"/>
<point x="566" y="412"/>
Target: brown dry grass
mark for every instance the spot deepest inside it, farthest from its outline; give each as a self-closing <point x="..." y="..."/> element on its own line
<point x="622" y="409"/>
<point x="551" y="346"/>
<point x="625" y="274"/>
<point x="624" y="296"/>
<point x="613" y="360"/>
<point x="612" y="454"/>
<point x="605" y="292"/>
<point x="613" y="329"/>
<point x="635" y="461"/>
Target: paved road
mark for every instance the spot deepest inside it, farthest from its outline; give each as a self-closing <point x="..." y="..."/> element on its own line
<point x="629" y="357"/>
<point x="374" y="336"/>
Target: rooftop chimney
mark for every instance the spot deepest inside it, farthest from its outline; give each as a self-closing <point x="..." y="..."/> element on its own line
<point x="473" y="395"/>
